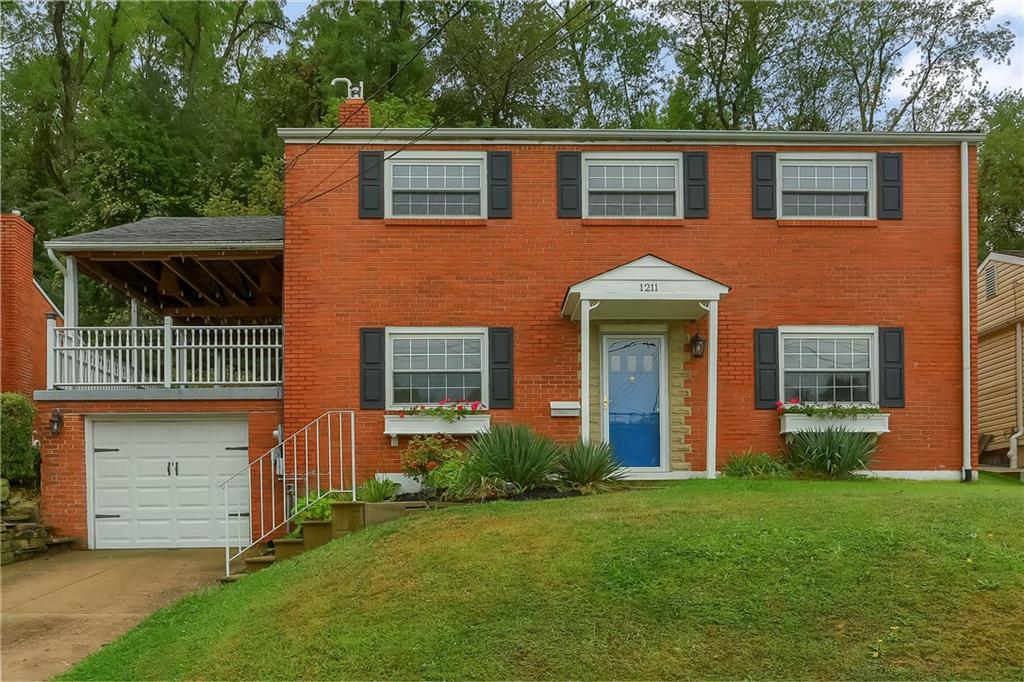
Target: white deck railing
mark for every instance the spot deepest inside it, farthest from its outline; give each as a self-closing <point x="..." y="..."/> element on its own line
<point x="167" y="356"/>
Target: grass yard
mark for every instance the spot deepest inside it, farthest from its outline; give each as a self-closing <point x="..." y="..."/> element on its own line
<point x="697" y="579"/>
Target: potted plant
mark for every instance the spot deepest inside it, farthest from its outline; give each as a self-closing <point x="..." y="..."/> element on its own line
<point x="795" y="417"/>
<point x="456" y="417"/>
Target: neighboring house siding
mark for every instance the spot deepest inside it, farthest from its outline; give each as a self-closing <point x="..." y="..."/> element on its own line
<point x="1007" y="305"/>
<point x="343" y="273"/>
<point x="998" y="369"/>
<point x="997" y="387"/>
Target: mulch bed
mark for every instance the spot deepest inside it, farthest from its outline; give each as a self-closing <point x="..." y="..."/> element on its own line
<point x="534" y="494"/>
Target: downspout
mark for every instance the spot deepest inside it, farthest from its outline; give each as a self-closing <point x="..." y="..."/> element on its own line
<point x="965" y="310"/>
<point x="56" y="263"/>
<point x="1014" y="451"/>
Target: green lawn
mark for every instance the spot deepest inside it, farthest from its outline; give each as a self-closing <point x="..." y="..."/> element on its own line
<point x="698" y="579"/>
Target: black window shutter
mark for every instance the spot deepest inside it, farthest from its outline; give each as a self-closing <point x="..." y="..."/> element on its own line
<point x="570" y="185"/>
<point x="763" y="168"/>
<point x="891" y="390"/>
<point x="695" y="179"/>
<point x="890" y="186"/>
<point x="766" y="368"/>
<point x="371" y="369"/>
<point x="499" y="184"/>
<point x="371" y="184"/>
<point x="499" y="353"/>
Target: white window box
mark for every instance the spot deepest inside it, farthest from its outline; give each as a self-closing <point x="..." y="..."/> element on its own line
<point x="867" y="423"/>
<point x="396" y="425"/>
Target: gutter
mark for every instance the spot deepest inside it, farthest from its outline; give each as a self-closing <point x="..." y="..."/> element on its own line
<point x="130" y="247"/>
<point x="965" y="310"/>
<point x="623" y="136"/>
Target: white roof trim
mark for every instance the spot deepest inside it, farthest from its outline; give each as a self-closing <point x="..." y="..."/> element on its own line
<point x="1000" y="258"/>
<point x="647" y="278"/>
<point x="69" y="246"/>
<point x="618" y="136"/>
<point x="48" y="299"/>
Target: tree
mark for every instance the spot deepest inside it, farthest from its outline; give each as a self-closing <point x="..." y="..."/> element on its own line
<point x="1001" y="176"/>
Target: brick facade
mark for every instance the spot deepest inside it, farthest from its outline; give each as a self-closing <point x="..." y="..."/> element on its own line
<point x="23" y="310"/>
<point x="343" y="273"/>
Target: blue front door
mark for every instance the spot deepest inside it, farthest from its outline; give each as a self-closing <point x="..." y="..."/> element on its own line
<point x="633" y="384"/>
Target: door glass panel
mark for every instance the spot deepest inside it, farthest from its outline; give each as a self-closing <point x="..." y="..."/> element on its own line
<point x="634" y="392"/>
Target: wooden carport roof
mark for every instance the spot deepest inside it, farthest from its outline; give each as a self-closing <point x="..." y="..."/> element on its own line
<point x="218" y="269"/>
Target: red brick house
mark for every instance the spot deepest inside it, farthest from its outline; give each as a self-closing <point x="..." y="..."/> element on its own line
<point x="659" y="289"/>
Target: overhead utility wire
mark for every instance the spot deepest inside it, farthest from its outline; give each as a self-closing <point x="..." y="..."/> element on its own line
<point x="383" y="85"/>
<point x="306" y="199"/>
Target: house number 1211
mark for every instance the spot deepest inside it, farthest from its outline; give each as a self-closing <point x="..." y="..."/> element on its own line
<point x="648" y="286"/>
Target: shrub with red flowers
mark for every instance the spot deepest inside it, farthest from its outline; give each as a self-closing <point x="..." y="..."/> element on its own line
<point x="448" y="410"/>
<point x="426" y="453"/>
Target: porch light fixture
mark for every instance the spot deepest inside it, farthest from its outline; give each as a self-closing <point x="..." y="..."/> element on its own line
<point x="56" y="422"/>
<point x="697" y="345"/>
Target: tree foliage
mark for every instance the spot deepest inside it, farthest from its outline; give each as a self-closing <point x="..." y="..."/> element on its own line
<point x="115" y="110"/>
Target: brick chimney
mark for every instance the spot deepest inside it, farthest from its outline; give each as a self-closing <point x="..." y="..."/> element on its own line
<point x="354" y="113"/>
<point x="23" y="310"/>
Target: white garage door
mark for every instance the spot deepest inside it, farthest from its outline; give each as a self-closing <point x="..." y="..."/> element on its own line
<point x="155" y="482"/>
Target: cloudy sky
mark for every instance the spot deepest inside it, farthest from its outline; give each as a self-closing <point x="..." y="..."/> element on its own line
<point x="999" y="76"/>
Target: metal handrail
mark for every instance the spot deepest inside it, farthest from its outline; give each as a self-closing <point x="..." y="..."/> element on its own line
<point x="322" y="441"/>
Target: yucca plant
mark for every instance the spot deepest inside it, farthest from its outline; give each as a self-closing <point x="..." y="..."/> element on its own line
<point x="378" y="490"/>
<point x="751" y="464"/>
<point x="509" y="454"/>
<point x="831" y="452"/>
<point x="589" y="467"/>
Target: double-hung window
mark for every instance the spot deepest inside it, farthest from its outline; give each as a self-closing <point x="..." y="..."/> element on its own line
<point x="829" y="364"/>
<point x="623" y="185"/>
<point x="835" y="185"/>
<point x="436" y="185"/>
<point x="428" y="365"/>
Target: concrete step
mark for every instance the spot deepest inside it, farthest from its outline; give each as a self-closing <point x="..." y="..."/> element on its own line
<point x="233" y="578"/>
<point x="259" y="563"/>
<point x="347" y="517"/>
<point x="286" y="548"/>
<point x="382" y="512"/>
<point x="316" y="533"/>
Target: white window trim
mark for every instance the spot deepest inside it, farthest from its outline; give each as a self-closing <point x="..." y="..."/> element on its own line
<point x="479" y="158"/>
<point x="828" y="158"/>
<point x="834" y="331"/>
<point x="601" y="158"/>
<point x="391" y="333"/>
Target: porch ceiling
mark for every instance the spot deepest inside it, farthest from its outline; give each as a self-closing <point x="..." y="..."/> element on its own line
<point x="223" y="286"/>
<point x="220" y="269"/>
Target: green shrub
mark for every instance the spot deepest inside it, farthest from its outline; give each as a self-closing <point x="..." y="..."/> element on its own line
<point x="446" y="479"/>
<point x="378" y="490"/>
<point x="751" y="464"/>
<point x="317" y="510"/>
<point x="19" y="459"/>
<point x="425" y="453"/>
<point x="514" y="455"/>
<point x="589" y="467"/>
<point x="831" y="452"/>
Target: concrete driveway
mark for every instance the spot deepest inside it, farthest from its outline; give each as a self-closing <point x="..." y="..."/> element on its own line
<point x="58" y="609"/>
